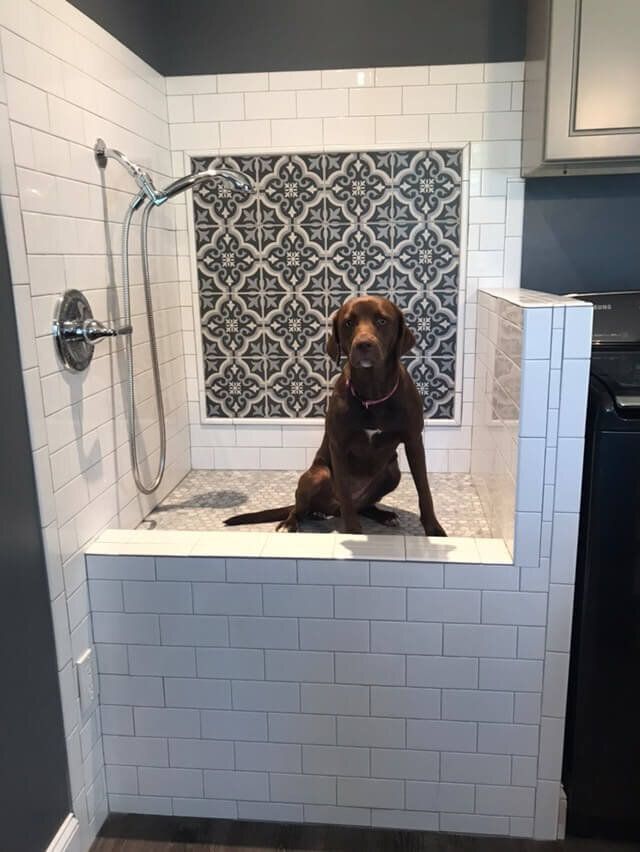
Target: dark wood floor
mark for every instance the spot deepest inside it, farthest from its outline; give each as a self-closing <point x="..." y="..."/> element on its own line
<point x="132" y="833"/>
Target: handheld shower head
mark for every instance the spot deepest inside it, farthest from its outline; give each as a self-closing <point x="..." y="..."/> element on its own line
<point x="236" y="179"/>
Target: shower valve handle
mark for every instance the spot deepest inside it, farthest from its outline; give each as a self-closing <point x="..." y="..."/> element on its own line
<point x="92" y="331"/>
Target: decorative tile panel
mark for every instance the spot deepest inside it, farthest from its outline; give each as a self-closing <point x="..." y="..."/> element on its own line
<point x="275" y="266"/>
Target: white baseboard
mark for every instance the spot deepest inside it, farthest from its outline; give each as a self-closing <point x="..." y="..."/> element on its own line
<point x="67" y="836"/>
<point x="562" y="814"/>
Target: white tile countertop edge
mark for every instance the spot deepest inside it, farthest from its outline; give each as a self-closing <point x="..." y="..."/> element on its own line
<point x="533" y="298"/>
<point x="123" y="542"/>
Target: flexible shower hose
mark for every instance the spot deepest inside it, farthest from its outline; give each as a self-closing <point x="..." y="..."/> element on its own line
<point x="131" y="399"/>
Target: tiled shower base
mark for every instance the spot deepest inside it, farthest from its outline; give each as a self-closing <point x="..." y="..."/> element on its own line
<point x="205" y="498"/>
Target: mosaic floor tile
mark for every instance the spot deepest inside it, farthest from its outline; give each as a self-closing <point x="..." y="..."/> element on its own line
<point x="205" y="498"/>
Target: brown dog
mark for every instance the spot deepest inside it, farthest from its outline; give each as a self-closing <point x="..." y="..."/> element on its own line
<point x="374" y="407"/>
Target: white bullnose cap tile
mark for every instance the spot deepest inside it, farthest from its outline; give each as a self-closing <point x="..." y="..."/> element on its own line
<point x="384" y="547"/>
<point x="230" y="544"/>
<point x="144" y="547"/>
<point x="309" y="546"/>
<point x="493" y="551"/>
<point x="432" y="549"/>
<point x="298" y="546"/>
<point x="532" y="298"/>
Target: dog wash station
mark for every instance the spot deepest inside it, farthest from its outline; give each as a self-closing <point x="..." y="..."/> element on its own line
<point x="386" y="680"/>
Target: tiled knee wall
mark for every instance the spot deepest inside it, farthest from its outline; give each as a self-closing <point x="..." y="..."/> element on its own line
<point x="370" y="693"/>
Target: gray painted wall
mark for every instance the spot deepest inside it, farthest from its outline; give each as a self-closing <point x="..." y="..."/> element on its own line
<point x="582" y="234"/>
<point x="34" y="786"/>
<point x="226" y="36"/>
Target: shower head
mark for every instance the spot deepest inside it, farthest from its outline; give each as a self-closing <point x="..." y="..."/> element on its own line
<point x="157" y="197"/>
<point x="236" y="179"/>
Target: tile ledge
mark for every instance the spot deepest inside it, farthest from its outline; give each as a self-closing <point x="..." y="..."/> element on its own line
<point x="532" y="298"/>
<point x="310" y="546"/>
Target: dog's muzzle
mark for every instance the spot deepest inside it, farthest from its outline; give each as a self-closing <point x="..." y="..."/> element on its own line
<point x="365" y="352"/>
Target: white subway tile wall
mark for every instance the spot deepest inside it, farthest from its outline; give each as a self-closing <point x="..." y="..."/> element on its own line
<point x="65" y="82"/>
<point x="476" y="106"/>
<point x="329" y="711"/>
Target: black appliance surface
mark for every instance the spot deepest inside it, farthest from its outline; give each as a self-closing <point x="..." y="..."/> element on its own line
<point x="601" y="771"/>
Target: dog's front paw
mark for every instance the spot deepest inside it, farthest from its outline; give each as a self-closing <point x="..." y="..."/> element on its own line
<point x="434" y="528"/>
<point x="388" y="519"/>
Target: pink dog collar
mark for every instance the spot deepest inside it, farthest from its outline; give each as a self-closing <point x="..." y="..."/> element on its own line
<point x="369" y="402"/>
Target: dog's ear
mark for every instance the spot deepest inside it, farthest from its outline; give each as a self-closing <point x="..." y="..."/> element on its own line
<point x="333" y="341"/>
<point x="406" y="339"/>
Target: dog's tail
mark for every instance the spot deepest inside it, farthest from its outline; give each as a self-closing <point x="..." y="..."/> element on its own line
<point x="266" y="516"/>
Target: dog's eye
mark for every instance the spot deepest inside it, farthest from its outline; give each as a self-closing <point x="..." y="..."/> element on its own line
<point x="348" y="323"/>
<point x="381" y="321"/>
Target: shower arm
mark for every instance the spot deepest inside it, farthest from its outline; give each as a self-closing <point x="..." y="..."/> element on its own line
<point x="142" y="178"/>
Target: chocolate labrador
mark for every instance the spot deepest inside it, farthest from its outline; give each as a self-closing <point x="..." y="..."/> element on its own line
<point x="374" y="407"/>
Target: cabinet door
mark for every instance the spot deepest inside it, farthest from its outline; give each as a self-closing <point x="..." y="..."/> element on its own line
<point x="594" y="80"/>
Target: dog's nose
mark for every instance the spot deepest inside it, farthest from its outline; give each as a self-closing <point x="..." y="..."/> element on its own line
<point x="363" y="345"/>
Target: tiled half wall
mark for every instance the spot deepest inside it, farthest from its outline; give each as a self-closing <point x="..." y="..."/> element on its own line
<point x="399" y="682"/>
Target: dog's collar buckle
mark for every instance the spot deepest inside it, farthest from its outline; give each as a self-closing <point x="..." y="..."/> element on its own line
<point x="369" y="402"/>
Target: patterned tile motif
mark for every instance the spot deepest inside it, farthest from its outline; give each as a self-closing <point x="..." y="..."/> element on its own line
<point x="205" y="498"/>
<point x="272" y="269"/>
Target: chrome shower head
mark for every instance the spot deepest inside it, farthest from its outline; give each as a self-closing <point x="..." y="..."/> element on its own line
<point x="238" y="181"/>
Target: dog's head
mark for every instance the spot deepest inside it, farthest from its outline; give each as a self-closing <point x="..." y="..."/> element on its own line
<point x="369" y="330"/>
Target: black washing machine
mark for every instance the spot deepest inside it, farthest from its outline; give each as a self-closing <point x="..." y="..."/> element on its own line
<point x="601" y="770"/>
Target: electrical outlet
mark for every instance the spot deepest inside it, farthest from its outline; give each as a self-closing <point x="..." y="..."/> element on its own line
<point x="87" y="681"/>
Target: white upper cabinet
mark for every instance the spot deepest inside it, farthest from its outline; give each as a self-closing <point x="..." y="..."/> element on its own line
<point x="582" y="87"/>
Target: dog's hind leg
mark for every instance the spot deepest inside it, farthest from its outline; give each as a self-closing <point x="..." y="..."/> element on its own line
<point x="313" y="494"/>
<point x="386" y="485"/>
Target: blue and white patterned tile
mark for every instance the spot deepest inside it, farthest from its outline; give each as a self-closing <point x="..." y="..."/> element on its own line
<point x="235" y="387"/>
<point x="294" y="325"/>
<point x="273" y="267"/>
<point x="231" y="327"/>
<point x="299" y="386"/>
<point x="293" y="257"/>
<point x="427" y="257"/>
<point x="359" y="183"/>
<point x="429" y="183"/>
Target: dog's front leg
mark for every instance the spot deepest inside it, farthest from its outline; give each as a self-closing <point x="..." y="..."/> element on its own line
<point x="350" y="520"/>
<point x="418" y="466"/>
